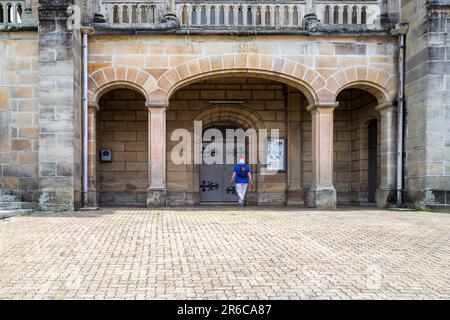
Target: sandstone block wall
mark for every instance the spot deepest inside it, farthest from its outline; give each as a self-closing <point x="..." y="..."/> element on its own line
<point x="427" y="141"/>
<point x="19" y="113"/>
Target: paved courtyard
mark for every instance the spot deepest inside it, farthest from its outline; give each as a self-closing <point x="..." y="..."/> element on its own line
<point x="226" y="253"/>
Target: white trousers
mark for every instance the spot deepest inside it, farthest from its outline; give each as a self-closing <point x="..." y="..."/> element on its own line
<point x="241" y="190"/>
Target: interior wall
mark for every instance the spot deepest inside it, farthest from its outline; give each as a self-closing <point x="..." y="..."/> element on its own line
<point x="122" y="126"/>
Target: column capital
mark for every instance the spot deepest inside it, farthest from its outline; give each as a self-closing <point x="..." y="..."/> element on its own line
<point x="157" y="104"/>
<point x="93" y="107"/>
<point x="322" y="106"/>
<point x="386" y="106"/>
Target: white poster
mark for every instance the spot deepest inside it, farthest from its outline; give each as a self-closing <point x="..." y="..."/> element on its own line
<point x="275" y="155"/>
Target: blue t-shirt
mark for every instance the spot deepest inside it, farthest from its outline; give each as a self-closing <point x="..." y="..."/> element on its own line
<point x="241" y="168"/>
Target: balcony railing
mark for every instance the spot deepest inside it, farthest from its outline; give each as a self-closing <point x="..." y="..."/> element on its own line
<point x="133" y="11"/>
<point x="265" y="13"/>
<point x="11" y="11"/>
<point x="231" y="13"/>
<point x="349" y="12"/>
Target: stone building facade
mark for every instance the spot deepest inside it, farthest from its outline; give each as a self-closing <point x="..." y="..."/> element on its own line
<point x="357" y="91"/>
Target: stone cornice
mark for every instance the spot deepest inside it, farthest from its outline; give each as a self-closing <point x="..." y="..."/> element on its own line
<point x="19" y="27"/>
<point x="111" y="29"/>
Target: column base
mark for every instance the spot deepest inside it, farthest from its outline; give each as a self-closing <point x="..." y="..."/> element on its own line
<point x="323" y="198"/>
<point x="295" y="197"/>
<point x="384" y="197"/>
<point x="156" y="198"/>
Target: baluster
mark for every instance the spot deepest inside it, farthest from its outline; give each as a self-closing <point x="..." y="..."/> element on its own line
<point x="263" y="15"/>
<point x="272" y="16"/>
<point x="189" y="14"/>
<point x="226" y="15"/>
<point x="217" y="17"/>
<point x="199" y="15"/>
<point x="208" y="14"/>
<point x="358" y="15"/>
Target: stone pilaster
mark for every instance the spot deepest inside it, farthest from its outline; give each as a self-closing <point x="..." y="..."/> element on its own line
<point x="156" y="196"/>
<point x="322" y="194"/>
<point x="59" y="108"/>
<point x="92" y="157"/>
<point x="386" y="193"/>
<point x="295" y="193"/>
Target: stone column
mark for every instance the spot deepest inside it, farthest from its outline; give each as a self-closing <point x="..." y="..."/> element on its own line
<point x="92" y="157"/>
<point x="156" y="196"/>
<point x="322" y="194"/>
<point x="295" y="194"/>
<point x="386" y="192"/>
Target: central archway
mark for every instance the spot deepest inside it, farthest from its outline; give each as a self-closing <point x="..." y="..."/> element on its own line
<point x="244" y="103"/>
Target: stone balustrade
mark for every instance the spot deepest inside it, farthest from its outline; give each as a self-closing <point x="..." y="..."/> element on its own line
<point x="276" y="13"/>
<point x="265" y="13"/>
<point x="11" y="11"/>
<point x="133" y="11"/>
<point x="349" y="12"/>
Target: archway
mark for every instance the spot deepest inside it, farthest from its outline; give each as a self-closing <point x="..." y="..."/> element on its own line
<point x="357" y="146"/>
<point x="245" y="103"/>
<point x="121" y="148"/>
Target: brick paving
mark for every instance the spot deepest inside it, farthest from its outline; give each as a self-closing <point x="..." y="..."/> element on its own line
<point x="226" y="253"/>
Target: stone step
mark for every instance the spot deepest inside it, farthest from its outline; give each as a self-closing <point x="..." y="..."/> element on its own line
<point x="5" y="192"/>
<point x="10" y="198"/>
<point x="16" y="205"/>
<point x="4" y="214"/>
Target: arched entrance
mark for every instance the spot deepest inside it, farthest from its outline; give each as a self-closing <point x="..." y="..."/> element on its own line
<point x="357" y="147"/>
<point x="243" y="103"/>
<point x="122" y="133"/>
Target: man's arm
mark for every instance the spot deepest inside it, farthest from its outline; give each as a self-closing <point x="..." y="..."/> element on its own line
<point x="233" y="177"/>
<point x="250" y="180"/>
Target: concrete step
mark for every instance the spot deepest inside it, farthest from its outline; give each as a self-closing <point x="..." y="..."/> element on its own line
<point x="5" y="192"/>
<point x="10" y="198"/>
<point x="4" y="214"/>
<point x="16" y="205"/>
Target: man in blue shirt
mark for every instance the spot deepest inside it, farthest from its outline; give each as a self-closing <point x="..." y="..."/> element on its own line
<point x="243" y="177"/>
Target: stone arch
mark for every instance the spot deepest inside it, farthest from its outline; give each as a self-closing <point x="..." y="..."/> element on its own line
<point x="233" y="114"/>
<point x="297" y="75"/>
<point x="379" y="83"/>
<point x="110" y="78"/>
<point x="236" y="114"/>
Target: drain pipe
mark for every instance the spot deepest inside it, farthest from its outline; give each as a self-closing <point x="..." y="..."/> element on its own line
<point x="400" y="31"/>
<point x="84" y="49"/>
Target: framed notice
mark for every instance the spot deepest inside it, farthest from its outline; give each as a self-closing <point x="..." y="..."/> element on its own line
<point x="275" y="155"/>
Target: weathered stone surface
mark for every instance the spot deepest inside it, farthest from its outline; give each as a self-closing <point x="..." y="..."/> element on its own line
<point x="156" y="198"/>
<point x="59" y="101"/>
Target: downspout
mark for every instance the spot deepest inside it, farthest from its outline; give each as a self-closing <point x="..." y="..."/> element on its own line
<point x="400" y="31"/>
<point x="401" y="67"/>
<point x="84" y="48"/>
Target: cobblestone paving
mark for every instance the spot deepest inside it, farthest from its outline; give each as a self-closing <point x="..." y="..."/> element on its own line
<point x="226" y="253"/>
